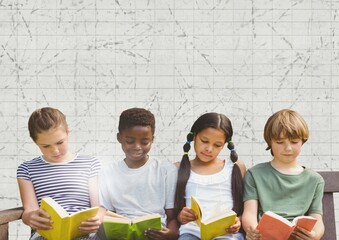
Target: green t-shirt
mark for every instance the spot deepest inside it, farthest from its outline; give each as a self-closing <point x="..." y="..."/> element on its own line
<point x="287" y="195"/>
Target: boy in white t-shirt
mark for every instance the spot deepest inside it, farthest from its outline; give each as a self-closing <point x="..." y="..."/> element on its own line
<point x="139" y="184"/>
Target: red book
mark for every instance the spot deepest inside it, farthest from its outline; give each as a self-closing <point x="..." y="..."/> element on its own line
<point x="275" y="227"/>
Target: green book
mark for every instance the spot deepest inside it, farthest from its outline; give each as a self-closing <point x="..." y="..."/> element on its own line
<point x="122" y="228"/>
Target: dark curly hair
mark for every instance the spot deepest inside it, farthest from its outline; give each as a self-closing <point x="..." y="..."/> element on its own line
<point x="136" y="117"/>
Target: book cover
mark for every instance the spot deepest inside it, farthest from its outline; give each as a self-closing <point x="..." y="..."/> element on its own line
<point x="216" y="223"/>
<point x="122" y="228"/>
<point x="275" y="227"/>
<point x="65" y="226"/>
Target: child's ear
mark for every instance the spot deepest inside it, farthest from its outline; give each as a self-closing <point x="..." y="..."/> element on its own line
<point x="119" y="137"/>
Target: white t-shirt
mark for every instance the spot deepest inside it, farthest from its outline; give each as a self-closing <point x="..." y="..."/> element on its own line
<point x="209" y="190"/>
<point x="137" y="192"/>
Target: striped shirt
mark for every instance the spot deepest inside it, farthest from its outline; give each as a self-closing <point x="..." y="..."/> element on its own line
<point x="66" y="183"/>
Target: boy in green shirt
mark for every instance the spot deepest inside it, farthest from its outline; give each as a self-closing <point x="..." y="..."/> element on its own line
<point x="282" y="185"/>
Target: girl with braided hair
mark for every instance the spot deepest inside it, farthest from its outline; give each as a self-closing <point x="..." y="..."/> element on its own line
<point x="207" y="177"/>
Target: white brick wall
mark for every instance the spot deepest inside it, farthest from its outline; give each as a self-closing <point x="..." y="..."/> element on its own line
<point x="178" y="58"/>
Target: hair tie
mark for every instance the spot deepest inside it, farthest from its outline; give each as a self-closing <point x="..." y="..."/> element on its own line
<point x="236" y="162"/>
<point x="185" y="153"/>
<point x="232" y="150"/>
<point x="192" y="133"/>
<point x="188" y="142"/>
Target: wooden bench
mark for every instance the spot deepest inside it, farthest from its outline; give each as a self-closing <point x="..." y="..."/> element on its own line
<point x="7" y="216"/>
<point x="331" y="186"/>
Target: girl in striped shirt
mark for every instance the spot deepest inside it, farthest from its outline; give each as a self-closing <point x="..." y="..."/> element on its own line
<point x="70" y="179"/>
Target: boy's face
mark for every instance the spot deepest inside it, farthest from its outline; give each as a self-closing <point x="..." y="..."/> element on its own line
<point x="136" y="142"/>
<point x="53" y="144"/>
<point x="286" y="150"/>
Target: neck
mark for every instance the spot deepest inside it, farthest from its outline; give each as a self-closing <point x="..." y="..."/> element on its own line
<point x="136" y="164"/>
<point x="292" y="168"/>
<point x="205" y="168"/>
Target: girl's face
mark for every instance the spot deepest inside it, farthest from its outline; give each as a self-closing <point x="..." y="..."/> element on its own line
<point x="53" y="144"/>
<point x="208" y="143"/>
<point x="136" y="142"/>
<point x="286" y="150"/>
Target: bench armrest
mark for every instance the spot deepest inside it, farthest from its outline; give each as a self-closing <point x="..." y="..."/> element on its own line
<point x="10" y="215"/>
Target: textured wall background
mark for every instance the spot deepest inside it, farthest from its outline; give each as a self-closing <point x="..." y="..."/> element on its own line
<point x="179" y="58"/>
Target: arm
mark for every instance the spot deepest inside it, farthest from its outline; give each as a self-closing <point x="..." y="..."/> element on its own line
<point x="171" y="231"/>
<point x="32" y="216"/>
<point x="315" y="234"/>
<point x="172" y="224"/>
<point x="249" y="219"/>
<point x="92" y="224"/>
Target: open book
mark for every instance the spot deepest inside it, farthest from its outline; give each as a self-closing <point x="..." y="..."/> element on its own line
<point x="216" y="223"/>
<point x="275" y="227"/>
<point x="122" y="228"/>
<point x="65" y="226"/>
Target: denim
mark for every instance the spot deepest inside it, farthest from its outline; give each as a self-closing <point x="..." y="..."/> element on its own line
<point x="187" y="236"/>
<point x="238" y="236"/>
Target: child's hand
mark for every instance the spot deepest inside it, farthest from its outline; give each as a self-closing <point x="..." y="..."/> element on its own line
<point x="253" y="234"/>
<point x="91" y="225"/>
<point x="37" y="219"/>
<point x="301" y="233"/>
<point x="235" y="227"/>
<point x="186" y="215"/>
<point x="165" y="233"/>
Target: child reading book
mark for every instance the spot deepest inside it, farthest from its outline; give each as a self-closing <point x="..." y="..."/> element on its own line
<point x="208" y="178"/>
<point x="70" y="179"/>
<point x="282" y="185"/>
<point x="139" y="184"/>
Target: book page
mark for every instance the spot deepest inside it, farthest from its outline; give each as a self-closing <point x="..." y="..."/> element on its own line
<point x="196" y="208"/>
<point x="117" y="219"/>
<point x="218" y="211"/>
<point x="50" y="205"/>
<point x="146" y="217"/>
<point x="305" y="222"/>
<point x="77" y="218"/>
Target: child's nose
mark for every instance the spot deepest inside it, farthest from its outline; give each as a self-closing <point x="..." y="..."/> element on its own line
<point x="288" y="147"/>
<point x="55" y="149"/>
<point x="208" y="148"/>
<point x="137" y="145"/>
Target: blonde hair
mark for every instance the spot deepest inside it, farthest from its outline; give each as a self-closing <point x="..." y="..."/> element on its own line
<point x="288" y="123"/>
<point x="44" y="119"/>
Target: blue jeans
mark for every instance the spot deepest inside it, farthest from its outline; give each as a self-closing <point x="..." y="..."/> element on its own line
<point x="187" y="236"/>
<point x="92" y="236"/>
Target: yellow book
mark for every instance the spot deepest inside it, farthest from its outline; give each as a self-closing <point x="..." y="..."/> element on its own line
<point x="65" y="226"/>
<point x="216" y="223"/>
<point x="117" y="227"/>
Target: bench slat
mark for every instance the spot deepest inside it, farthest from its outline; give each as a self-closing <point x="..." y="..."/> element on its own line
<point x="331" y="181"/>
<point x="10" y="215"/>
